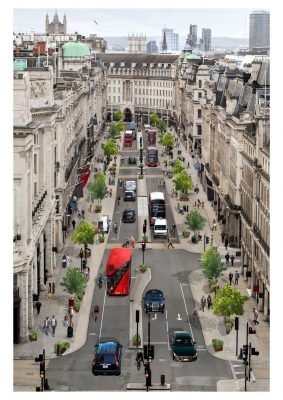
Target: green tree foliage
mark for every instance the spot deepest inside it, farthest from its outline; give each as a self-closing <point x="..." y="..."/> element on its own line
<point x="110" y="149"/>
<point x="154" y="119"/>
<point x="211" y="265"/>
<point x="162" y="126"/>
<point x="99" y="187"/>
<point x="114" y="130"/>
<point x="84" y="234"/>
<point x="229" y="301"/>
<point x="168" y="141"/>
<point x="120" y="126"/>
<point x="117" y="116"/>
<point x="178" y="167"/>
<point x="183" y="181"/>
<point x="75" y="282"/>
<point x="196" y="221"/>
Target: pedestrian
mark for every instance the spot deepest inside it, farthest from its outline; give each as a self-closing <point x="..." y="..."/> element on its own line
<point x="226" y="243"/>
<point x="95" y="311"/>
<point x="118" y="199"/>
<point x="71" y="316"/>
<point x="73" y="223"/>
<point x="68" y="261"/>
<point x="227" y="257"/>
<point x="237" y="276"/>
<point x="87" y="272"/>
<point x="169" y="241"/>
<point x="173" y="229"/>
<point x="232" y="260"/>
<point x="255" y="316"/>
<point x="173" y="193"/>
<point x="49" y="287"/>
<point x="202" y="302"/>
<point x="46" y="325"/>
<point x="65" y="321"/>
<point x="53" y="287"/>
<point x="188" y="164"/>
<point x="64" y="261"/>
<point x="196" y="189"/>
<point x="199" y="203"/>
<point x="230" y="276"/>
<point x="53" y="325"/>
<point x="209" y="301"/>
<point x="222" y="237"/>
<point x="38" y="306"/>
<point x="110" y="193"/>
<point x="214" y="225"/>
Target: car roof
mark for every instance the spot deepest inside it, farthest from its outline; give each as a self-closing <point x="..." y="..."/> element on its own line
<point x="153" y="291"/>
<point x="182" y="333"/>
<point x="160" y="221"/>
<point x="129" y="210"/>
<point x="107" y="347"/>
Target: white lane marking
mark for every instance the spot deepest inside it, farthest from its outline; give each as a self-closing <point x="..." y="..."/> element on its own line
<point x="102" y="314"/>
<point x="187" y="312"/>
<point x="119" y="227"/>
<point x="155" y="317"/>
<point x="167" y="329"/>
<point x="179" y="318"/>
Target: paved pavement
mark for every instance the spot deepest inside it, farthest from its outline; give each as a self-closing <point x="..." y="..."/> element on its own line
<point x="212" y="326"/>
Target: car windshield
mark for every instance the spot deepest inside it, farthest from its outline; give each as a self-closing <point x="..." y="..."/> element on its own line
<point x="129" y="213"/>
<point x="160" y="227"/>
<point x="183" y="340"/>
<point x="154" y="296"/>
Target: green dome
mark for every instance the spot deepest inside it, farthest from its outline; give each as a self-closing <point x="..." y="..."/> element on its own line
<point x="190" y="57"/>
<point x="75" y="49"/>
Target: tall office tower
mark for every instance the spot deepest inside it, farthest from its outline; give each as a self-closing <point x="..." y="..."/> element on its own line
<point x="151" y="47"/>
<point x="192" y="39"/>
<point x="259" y="29"/>
<point x="171" y="38"/>
<point x="206" y="39"/>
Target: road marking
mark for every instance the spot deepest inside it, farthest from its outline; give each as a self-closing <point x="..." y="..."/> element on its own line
<point x="161" y="359"/>
<point x="102" y="314"/>
<point x="187" y="312"/>
<point x="92" y="334"/>
<point x="179" y="318"/>
<point x="185" y="284"/>
<point x="158" y="342"/>
<point x="155" y="317"/>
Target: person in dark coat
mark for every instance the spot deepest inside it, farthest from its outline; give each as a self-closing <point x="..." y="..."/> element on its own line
<point x="232" y="260"/>
<point x="227" y="257"/>
<point x="74" y="224"/>
<point x="230" y="276"/>
<point x="38" y="306"/>
<point x="226" y="243"/>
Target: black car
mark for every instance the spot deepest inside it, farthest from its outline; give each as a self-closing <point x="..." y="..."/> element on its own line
<point x="107" y="358"/>
<point x="129" y="195"/>
<point x="132" y="160"/>
<point x="154" y="301"/>
<point x="183" y="346"/>
<point x="129" y="215"/>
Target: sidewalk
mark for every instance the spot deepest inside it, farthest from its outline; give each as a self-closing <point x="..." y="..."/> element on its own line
<point x="212" y="326"/>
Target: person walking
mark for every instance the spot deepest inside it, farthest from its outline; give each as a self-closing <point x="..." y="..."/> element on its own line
<point x="73" y="223"/>
<point x="53" y="325"/>
<point x="118" y="200"/>
<point x="202" y="302"/>
<point x="226" y="243"/>
<point x="255" y="316"/>
<point x="53" y="287"/>
<point x="64" y="261"/>
<point x="209" y="301"/>
<point x="222" y="236"/>
<point x="169" y="241"/>
<point x="232" y="260"/>
<point x="110" y="193"/>
<point x="230" y="276"/>
<point x="237" y="276"/>
<point x="66" y="321"/>
<point x="46" y="325"/>
<point x="95" y="312"/>
<point x="173" y="229"/>
<point x="38" y="306"/>
<point x="71" y="316"/>
<point x="227" y="257"/>
<point x="214" y="225"/>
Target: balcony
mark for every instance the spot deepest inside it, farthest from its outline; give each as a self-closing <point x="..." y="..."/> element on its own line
<point x="230" y="203"/>
<point x="246" y="218"/>
<point x="215" y="180"/>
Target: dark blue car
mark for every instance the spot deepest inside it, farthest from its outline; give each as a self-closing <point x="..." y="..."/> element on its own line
<point x="107" y="358"/>
<point x="154" y="301"/>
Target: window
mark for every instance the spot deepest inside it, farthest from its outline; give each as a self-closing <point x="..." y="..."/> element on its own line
<point x="199" y="95"/>
<point x="35" y="163"/>
<point x="199" y="129"/>
<point x="199" y="113"/>
<point x="200" y="83"/>
<point x="35" y="189"/>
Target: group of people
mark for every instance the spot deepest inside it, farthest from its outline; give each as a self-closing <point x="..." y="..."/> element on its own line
<point x="50" y="322"/>
<point x="66" y="261"/>
<point x="237" y="276"/>
<point x="205" y="301"/>
<point x="228" y="257"/>
<point x="198" y="204"/>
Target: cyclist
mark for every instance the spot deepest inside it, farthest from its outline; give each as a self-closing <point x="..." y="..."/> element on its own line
<point x="139" y="359"/>
<point x="95" y="311"/>
<point x="115" y="227"/>
<point x="100" y="281"/>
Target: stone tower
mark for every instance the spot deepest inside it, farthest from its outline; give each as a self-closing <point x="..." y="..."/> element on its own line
<point x="56" y="26"/>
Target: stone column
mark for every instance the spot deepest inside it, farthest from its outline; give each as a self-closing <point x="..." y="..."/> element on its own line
<point x="23" y="292"/>
<point x="49" y="235"/>
<point x="260" y="300"/>
<point x="266" y="304"/>
<point x="41" y="260"/>
<point x="30" y="297"/>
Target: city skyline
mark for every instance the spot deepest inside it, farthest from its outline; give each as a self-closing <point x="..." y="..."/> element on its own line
<point x="232" y="23"/>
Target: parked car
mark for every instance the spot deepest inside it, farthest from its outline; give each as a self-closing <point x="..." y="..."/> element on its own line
<point x="154" y="301"/>
<point x="129" y="215"/>
<point x="107" y="358"/>
<point x="132" y="160"/>
<point x="129" y="195"/>
<point x="183" y="346"/>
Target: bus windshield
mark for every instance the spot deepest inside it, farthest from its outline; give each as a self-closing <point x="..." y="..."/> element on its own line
<point x="118" y="271"/>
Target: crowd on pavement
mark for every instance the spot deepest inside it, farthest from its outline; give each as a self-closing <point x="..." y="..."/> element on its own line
<point x="57" y="304"/>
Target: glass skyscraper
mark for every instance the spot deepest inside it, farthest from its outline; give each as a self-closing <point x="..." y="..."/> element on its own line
<point x="259" y="29"/>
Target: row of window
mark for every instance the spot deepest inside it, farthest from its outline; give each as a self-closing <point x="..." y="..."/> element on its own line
<point x="113" y="82"/>
<point x="146" y="101"/>
<point x="133" y="72"/>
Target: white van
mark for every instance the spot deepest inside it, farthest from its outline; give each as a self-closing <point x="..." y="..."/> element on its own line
<point x="146" y="127"/>
<point x="130" y="185"/>
<point x="160" y="228"/>
<point x="104" y="223"/>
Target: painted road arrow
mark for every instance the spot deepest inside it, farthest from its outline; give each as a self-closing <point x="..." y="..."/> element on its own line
<point x="179" y="318"/>
<point x="155" y="317"/>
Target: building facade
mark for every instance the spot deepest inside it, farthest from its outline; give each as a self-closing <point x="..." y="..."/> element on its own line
<point x="172" y="40"/>
<point x="56" y="26"/>
<point x="137" y="44"/>
<point x="206" y="39"/>
<point x="192" y="38"/>
<point x="259" y="34"/>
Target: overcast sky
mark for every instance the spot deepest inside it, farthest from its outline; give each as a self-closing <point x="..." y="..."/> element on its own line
<point x="223" y="21"/>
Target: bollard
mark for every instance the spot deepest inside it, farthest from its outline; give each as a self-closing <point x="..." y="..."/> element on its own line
<point x="162" y="379"/>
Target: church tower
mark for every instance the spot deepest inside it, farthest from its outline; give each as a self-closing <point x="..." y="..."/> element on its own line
<point x="46" y="24"/>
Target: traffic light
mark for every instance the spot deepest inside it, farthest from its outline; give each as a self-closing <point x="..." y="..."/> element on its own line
<point x="251" y="331"/>
<point x="254" y="352"/>
<point x="150" y="353"/>
<point x="143" y="246"/>
<point x="206" y="239"/>
<point x="245" y="351"/>
<point x="144" y="228"/>
<point x="140" y="141"/>
<point x="236" y="323"/>
<point x="39" y="358"/>
<point x="42" y="370"/>
<point x="137" y="316"/>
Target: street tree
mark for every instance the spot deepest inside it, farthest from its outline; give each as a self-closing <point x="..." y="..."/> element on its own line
<point x="114" y="130"/>
<point x="74" y="282"/>
<point x="162" y="126"/>
<point x="196" y="222"/>
<point x="229" y="301"/>
<point x="178" y="167"/>
<point x="154" y="119"/>
<point x="110" y="149"/>
<point x="99" y="188"/>
<point x="168" y="141"/>
<point x="183" y="181"/>
<point x="117" y="116"/>
<point x="211" y="264"/>
<point x="84" y="234"/>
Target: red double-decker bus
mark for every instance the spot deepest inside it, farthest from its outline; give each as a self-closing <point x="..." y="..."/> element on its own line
<point x="152" y="157"/>
<point x="151" y="137"/>
<point x="128" y="138"/>
<point x="118" y="272"/>
<point x="156" y="206"/>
